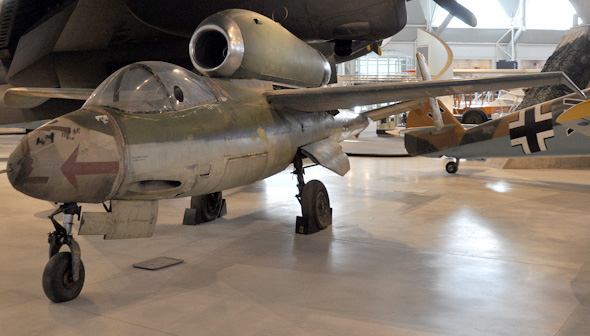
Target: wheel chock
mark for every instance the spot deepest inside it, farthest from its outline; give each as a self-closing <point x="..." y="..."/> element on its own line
<point x="305" y="226"/>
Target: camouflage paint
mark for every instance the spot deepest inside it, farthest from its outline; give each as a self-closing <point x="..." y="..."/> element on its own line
<point x="509" y="136"/>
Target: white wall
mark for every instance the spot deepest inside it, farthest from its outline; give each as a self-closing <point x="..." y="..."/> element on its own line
<point x="473" y="51"/>
<point x="487" y="51"/>
<point x="481" y="54"/>
<point x="535" y="51"/>
<point x="408" y="48"/>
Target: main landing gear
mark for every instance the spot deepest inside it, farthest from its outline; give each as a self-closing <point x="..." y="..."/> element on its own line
<point x="63" y="276"/>
<point x="205" y="208"/>
<point x="314" y="200"/>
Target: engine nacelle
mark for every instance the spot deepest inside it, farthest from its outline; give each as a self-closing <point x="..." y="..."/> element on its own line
<point x="239" y="43"/>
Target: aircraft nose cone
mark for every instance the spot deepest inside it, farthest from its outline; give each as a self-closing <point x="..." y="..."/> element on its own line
<point x="74" y="158"/>
<point x="20" y="167"/>
<point x="16" y="166"/>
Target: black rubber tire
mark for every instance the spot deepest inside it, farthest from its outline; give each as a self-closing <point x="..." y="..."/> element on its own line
<point x="57" y="278"/>
<point x="315" y="204"/>
<point x="474" y="116"/>
<point x="209" y="205"/>
<point x="452" y="167"/>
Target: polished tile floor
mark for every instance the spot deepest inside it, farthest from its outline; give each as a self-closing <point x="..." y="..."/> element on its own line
<point x="412" y="251"/>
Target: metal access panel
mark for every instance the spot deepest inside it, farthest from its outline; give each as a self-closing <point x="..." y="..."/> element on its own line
<point x="328" y="153"/>
<point x="127" y="219"/>
<point x="158" y="263"/>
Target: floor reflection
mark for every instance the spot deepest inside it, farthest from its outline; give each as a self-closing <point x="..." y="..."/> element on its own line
<point x="467" y="231"/>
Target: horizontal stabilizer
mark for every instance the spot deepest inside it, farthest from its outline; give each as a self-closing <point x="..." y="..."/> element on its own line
<point x="21" y="97"/>
<point x="348" y="97"/>
<point x="328" y="153"/>
<point x="577" y="118"/>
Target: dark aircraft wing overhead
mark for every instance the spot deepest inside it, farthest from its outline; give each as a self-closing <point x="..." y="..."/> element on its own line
<point x="347" y="97"/>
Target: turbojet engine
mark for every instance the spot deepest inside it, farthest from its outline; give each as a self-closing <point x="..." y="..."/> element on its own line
<point x="237" y="43"/>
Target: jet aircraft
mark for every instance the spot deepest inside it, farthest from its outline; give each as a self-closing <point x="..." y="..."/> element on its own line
<point x="559" y="127"/>
<point x="78" y="43"/>
<point x="154" y="130"/>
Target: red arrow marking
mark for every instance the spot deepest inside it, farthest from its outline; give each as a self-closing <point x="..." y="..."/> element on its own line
<point x="71" y="168"/>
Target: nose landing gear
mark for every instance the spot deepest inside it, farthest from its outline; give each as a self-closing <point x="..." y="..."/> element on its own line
<point x="64" y="274"/>
<point x="314" y="200"/>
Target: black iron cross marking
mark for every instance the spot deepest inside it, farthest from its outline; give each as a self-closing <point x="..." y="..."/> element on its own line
<point x="531" y="129"/>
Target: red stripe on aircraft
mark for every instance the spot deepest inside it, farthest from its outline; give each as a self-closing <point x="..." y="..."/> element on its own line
<point x="71" y="168"/>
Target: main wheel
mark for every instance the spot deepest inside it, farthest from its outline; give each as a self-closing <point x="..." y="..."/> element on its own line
<point x="209" y="205"/>
<point x="58" y="283"/>
<point x="474" y="116"/>
<point x="315" y="204"/>
<point x="452" y="167"/>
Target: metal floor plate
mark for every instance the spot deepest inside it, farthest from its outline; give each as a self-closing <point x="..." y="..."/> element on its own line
<point x="158" y="263"/>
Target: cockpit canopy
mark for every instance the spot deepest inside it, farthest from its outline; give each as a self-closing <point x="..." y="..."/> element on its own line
<point x="152" y="87"/>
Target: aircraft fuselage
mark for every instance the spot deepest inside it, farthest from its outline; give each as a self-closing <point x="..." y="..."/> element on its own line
<point x="97" y="153"/>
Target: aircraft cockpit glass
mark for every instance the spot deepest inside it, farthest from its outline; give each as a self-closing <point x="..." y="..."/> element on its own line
<point x="152" y="87"/>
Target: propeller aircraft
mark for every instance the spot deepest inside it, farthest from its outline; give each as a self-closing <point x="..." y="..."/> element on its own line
<point x="559" y="127"/>
<point x="154" y="130"/>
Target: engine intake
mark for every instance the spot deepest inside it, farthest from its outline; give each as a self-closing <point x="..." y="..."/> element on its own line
<point x="237" y="43"/>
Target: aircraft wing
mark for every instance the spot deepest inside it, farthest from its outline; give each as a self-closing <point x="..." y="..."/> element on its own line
<point x="33" y="97"/>
<point x="347" y="97"/>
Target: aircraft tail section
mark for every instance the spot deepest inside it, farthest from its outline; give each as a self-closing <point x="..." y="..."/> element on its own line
<point x="422" y="138"/>
<point x="577" y="118"/>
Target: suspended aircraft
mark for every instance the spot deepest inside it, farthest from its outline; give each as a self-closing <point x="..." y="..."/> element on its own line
<point x="154" y="130"/>
<point x="78" y="43"/>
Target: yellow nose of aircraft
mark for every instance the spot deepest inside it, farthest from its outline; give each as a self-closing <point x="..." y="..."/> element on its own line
<point x="76" y="157"/>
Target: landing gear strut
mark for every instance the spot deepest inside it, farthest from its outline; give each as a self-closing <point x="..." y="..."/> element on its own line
<point x="64" y="274"/>
<point x="314" y="200"/>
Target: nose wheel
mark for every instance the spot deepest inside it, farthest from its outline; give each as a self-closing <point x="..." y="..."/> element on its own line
<point x="63" y="277"/>
<point x="58" y="278"/>
<point x="314" y="200"/>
